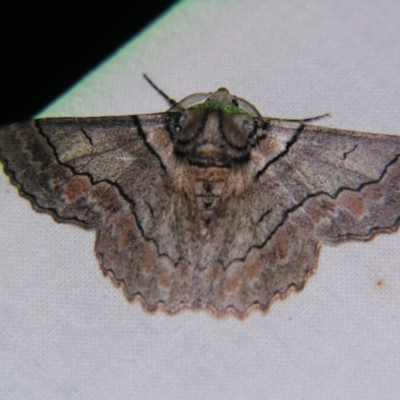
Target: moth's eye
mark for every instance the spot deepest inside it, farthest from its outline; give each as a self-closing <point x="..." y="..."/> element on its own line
<point x="235" y="103"/>
<point x="250" y="128"/>
<point x="257" y="124"/>
<point x="176" y="124"/>
<point x="252" y="131"/>
<point x="176" y="129"/>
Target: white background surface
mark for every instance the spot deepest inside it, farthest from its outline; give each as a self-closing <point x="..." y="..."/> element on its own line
<point x="67" y="333"/>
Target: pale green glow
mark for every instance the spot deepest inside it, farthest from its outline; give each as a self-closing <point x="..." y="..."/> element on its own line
<point x="143" y="43"/>
<point x="168" y="50"/>
<point x="220" y="106"/>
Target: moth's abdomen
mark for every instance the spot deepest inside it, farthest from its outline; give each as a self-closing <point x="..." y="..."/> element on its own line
<point x="208" y="187"/>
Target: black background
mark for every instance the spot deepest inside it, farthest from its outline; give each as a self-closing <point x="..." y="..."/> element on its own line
<point x="47" y="46"/>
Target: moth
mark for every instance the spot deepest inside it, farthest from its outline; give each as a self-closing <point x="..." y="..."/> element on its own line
<point x="208" y="205"/>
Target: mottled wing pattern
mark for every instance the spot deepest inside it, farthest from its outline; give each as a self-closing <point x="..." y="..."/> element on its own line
<point x="350" y="177"/>
<point x="87" y="171"/>
<point x="302" y="185"/>
<point x="31" y="162"/>
<point x="314" y="185"/>
<point x="65" y="166"/>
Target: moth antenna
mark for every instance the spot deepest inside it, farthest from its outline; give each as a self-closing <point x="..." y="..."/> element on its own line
<point x="154" y="86"/>
<point x="301" y="120"/>
<point x="317" y="117"/>
<point x="304" y="119"/>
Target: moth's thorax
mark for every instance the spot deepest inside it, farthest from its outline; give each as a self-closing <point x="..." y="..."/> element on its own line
<point x="213" y="137"/>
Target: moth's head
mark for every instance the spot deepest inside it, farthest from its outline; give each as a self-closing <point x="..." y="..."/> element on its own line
<point x="214" y="129"/>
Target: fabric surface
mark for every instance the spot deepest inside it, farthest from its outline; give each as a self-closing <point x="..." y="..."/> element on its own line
<point x="67" y="333"/>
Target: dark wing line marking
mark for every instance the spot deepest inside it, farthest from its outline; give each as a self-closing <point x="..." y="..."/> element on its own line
<point x="86" y="135"/>
<point x="371" y="232"/>
<point x="94" y="182"/>
<point x="346" y="153"/>
<point x="142" y="135"/>
<point x="34" y="200"/>
<point x="334" y="196"/>
<point x="263" y="215"/>
<point x="289" y="144"/>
